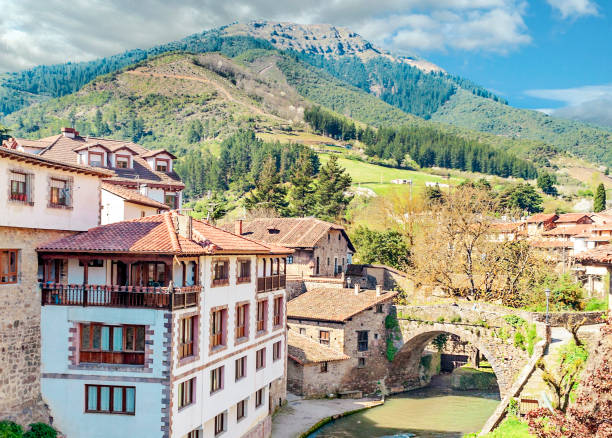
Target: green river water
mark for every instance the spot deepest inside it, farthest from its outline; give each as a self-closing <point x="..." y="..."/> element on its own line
<point x="431" y="412"/>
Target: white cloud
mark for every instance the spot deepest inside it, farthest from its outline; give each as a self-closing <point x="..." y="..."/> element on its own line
<point x="574" y="8"/>
<point x="50" y="31"/>
<point x="590" y="103"/>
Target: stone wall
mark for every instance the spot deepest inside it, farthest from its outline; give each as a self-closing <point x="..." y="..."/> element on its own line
<point x="326" y="249"/>
<point x="20" y="398"/>
<point x="263" y="429"/>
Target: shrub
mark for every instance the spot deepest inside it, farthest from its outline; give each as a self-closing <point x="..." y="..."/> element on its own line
<point x="519" y="340"/>
<point x="8" y="429"/>
<point x="440" y="341"/>
<point x="594" y="304"/>
<point x="532" y="338"/>
<point x="514" y="320"/>
<point x="513" y="407"/>
<point x="40" y="430"/>
<point x="440" y="319"/>
<point x="455" y="319"/>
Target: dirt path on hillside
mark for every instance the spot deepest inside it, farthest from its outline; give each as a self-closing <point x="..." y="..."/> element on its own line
<point x="222" y="90"/>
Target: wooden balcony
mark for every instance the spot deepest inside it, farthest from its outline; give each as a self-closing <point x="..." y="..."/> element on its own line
<point x="112" y="357"/>
<point x="273" y="282"/>
<point x="55" y="294"/>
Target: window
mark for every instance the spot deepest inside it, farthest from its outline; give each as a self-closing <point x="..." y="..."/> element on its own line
<point x="170" y="200"/>
<point x="361" y="362"/>
<point x="323" y="367"/>
<point x="216" y="379"/>
<point x="259" y="397"/>
<point x="278" y="311"/>
<point x="302" y="331"/>
<point x="241" y="368"/>
<point x="244" y="271"/>
<point x="241" y="409"/>
<point x="362" y="340"/>
<point x="218" y="319"/>
<point x="262" y="313"/>
<point x="276" y="351"/>
<point x="324" y="337"/>
<point x="328" y="237"/>
<point x="185" y="393"/>
<point x="289" y="259"/>
<point x="122" y="161"/>
<point x="161" y="165"/>
<point x="112" y="344"/>
<point x="260" y="359"/>
<point x="379" y="308"/>
<point x="220" y="273"/>
<point x="220" y="423"/>
<point x="242" y="321"/>
<point x="317" y="268"/>
<point x="59" y="193"/>
<point x="96" y="159"/>
<point x="21" y="184"/>
<point x="8" y="266"/>
<point x="327" y="261"/>
<point x="339" y="237"/>
<point x="110" y="399"/>
<point x="187" y="328"/>
<point x="193" y="434"/>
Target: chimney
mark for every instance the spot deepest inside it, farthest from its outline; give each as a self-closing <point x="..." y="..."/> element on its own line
<point x="378" y="290"/>
<point x="144" y="190"/>
<point x="68" y="132"/>
<point x="238" y="227"/>
<point x="184" y="225"/>
<point x="357" y="288"/>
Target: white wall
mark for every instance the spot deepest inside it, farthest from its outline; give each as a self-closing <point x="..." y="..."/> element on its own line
<point x="156" y="194"/>
<point x="134" y="211"/>
<point x="112" y="208"/>
<point x="83" y="215"/>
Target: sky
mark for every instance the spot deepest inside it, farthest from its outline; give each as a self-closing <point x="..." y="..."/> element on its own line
<point x="552" y="55"/>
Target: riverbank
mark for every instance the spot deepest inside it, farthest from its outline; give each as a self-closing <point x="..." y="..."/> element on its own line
<point x="299" y="415"/>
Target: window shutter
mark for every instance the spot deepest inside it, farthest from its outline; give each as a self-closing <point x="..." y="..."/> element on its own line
<point x="29" y="184"/>
<point x="69" y="193"/>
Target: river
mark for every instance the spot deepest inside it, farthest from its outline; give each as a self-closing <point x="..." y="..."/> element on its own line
<point x="432" y="412"/>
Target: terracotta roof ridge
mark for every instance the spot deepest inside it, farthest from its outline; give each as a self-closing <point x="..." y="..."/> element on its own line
<point x="52" y="144"/>
<point x="297" y="223"/>
<point x="170" y="226"/>
<point x="240" y="236"/>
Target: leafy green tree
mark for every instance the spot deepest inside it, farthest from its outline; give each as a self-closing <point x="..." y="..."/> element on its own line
<point x="4" y="133"/>
<point x="599" y="203"/>
<point x="385" y="247"/>
<point x="40" y="430"/>
<point x="433" y="195"/>
<point x="194" y="131"/>
<point x="521" y="197"/>
<point x="100" y="126"/>
<point x="8" y="429"/>
<point x="302" y="190"/>
<point x="269" y="193"/>
<point x="546" y="182"/>
<point x="607" y="171"/>
<point x="331" y="185"/>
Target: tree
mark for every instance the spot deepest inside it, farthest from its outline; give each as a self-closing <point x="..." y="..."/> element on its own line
<point x="100" y="126"/>
<point x="331" y="185"/>
<point x="194" y="131"/>
<point x="599" y="203"/>
<point x="4" y="133"/>
<point x="385" y="247"/>
<point x="546" y="182"/>
<point x="522" y="197"/>
<point x="302" y="190"/>
<point x="269" y="191"/>
<point x="433" y="195"/>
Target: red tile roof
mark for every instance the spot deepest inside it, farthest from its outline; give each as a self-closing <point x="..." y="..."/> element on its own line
<point x="289" y="232"/>
<point x="571" y="217"/>
<point x="55" y="164"/>
<point x="158" y="235"/>
<point x="132" y="196"/>
<point x="506" y="227"/>
<point x="157" y="152"/>
<point x="551" y="244"/>
<point x="568" y="231"/>
<point x="305" y="350"/>
<point x="64" y="149"/>
<point x="600" y="255"/>
<point x="541" y="217"/>
<point x="330" y="304"/>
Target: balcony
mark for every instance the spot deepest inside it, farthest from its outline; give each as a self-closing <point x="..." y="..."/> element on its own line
<point x="273" y="282"/>
<point x="55" y="294"/>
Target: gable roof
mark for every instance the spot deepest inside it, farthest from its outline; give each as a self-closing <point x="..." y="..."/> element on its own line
<point x="289" y="232"/>
<point x="132" y="196"/>
<point x="568" y="231"/>
<point x="305" y="350"/>
<point x="600" y="255"/>
<point x="65" y="149"/>
<point x="541" y="217"/>
<point x="571" y="217"/>
<point x="155" y="152"/>
<point x="335" y="305"/>
<point x="158" y="235"/>
<point x="54" y="164"/>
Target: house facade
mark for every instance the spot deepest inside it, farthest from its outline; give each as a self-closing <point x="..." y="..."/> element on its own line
<point x="138" y="173"/>
<point x="163" y="326"/>
<point x="594" y="268"/>
<point x="41" y="200"/>
<point x="337" y="341"/>
<point x="321" y="249"/>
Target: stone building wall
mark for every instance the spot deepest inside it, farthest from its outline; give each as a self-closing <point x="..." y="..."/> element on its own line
<point x="20" y="398"/>
<point x="311" y="329"/>
<point x="326" y="249"/>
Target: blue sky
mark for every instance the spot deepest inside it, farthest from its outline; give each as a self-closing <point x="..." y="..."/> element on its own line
<point x="563" y="54"/>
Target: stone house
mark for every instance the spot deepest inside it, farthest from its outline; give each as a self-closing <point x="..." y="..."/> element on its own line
<point x="594" y="269"/>
<point x="345" y="326"/>
<point x="41" y="199"/>
<point x="321" y="249"/>
<point x="163" y="326"/>
<point x="539" y="223"/>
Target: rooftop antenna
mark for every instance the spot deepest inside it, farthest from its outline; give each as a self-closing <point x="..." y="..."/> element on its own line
<point x="211" y="205"/>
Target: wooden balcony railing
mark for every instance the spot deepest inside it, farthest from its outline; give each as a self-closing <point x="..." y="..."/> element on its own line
<point x="216" y="340"/>
<point x="112" y="357"/>
<point x="261" y="325"/>
<point x="277" y="320"/>
<point x="119" y="296"/>
<point x="273" y="282"/>
<point x="240" y="332"/>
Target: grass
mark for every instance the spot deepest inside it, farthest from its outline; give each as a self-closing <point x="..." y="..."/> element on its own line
<point x="511" y="427"/>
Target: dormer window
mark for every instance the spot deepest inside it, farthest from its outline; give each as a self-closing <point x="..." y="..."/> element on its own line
<point x="96" y="159"/>
<point x="122" y="161"/>
<point x="161" y="165"/>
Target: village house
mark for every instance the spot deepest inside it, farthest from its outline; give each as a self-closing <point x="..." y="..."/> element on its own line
<point x="321" y="248"/>
<point x="163" y="326"/>
<point x="41" y="199"/>
<point x="572" y="220"/>
<point x="140" y="173"/>
<point x="595" y="270"/>
<point x="337" y="340"/>
<point x="538" y="223"/>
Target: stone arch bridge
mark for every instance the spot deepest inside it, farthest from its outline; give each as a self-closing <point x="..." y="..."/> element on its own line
<point x="489" y="328"/>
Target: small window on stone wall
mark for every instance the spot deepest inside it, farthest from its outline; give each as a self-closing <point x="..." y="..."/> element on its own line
<point x="361" y="362"/>
<point x="324" y="367"/>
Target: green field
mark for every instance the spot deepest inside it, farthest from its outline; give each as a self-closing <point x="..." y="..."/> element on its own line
<point x="378" y="178"/>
